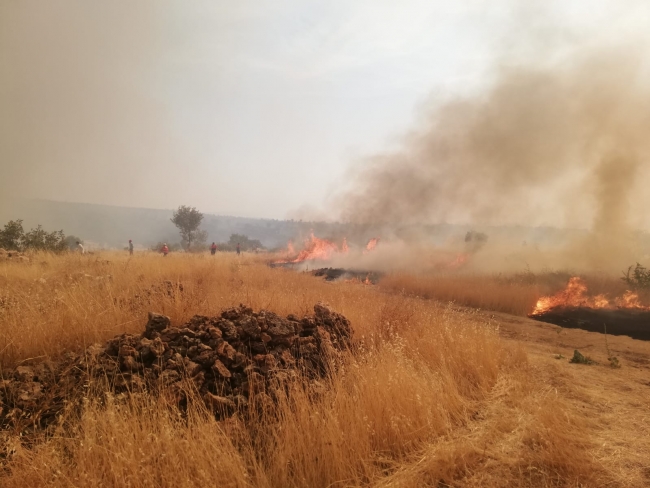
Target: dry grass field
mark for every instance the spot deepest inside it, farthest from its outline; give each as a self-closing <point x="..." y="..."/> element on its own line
<point x="514" y="294"/>
<point x="486" y="292"/>
<point x="433" y="394"/>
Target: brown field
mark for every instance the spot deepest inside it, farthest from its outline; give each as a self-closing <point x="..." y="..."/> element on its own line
<point x="514" y="294"/>
<point x="486" y="292"/>
<point x="435" y="395"/>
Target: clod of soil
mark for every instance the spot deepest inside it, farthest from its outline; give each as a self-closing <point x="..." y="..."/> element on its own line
<point x="229" y="360"/>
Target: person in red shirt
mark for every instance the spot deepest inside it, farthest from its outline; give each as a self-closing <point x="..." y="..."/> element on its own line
<point x="213" y="249"/>
<point x="164" y="250"/>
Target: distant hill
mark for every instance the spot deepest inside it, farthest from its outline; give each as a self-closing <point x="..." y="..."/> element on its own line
<point x="111" y="226"/>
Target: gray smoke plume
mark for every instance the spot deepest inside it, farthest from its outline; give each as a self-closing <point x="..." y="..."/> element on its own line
<point x="563" y="145"/>
<point x="558" y="145"/>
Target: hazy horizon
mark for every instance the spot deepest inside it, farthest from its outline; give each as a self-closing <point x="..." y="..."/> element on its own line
<point x="270" y="111"/>
<point x="16" y="215"/>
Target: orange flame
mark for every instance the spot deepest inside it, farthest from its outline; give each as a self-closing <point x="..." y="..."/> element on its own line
<point x="372" y="243"/>
<point x="575" y="295"/>
<point x="630" y="300"/>
<point x="316" y="249"/>
<point x="357" y="280"/>
<point x="344" y="246"/>
<point x="459" y="261"/>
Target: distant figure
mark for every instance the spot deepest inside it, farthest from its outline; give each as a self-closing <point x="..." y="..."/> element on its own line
<point x="164" y="250"/>
<point x="213" y="249"/>
<point x="130" y="247"/>
<point x="80" y="248"/>
<point x="238" y="249"/>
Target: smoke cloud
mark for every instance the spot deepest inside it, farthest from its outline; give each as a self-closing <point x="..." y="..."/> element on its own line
<point x="564" y="144"/>
<point x="560" y="145"/>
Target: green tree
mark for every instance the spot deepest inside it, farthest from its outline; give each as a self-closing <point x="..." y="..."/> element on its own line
<point x="639" y="277"/>
<point x="14" y="238"/>
<point x="11" y="236"/>
<point x="188" y="220"/>
<point x="40" y="240"/>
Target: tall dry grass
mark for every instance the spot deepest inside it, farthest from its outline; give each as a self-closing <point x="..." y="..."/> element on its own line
<point x="484" y="292"/>
<point x="515" y="294"/>
<point x="429" y="398"/>
<point x="62" y="302"/>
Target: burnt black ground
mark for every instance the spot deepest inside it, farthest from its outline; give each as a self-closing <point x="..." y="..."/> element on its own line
<point x="632" y="323"/>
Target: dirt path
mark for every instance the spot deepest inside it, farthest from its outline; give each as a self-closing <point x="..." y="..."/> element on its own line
<point x="615" y="402"/>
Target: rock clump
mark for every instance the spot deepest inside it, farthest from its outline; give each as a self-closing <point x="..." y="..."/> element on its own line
<point x="234" y="361"/>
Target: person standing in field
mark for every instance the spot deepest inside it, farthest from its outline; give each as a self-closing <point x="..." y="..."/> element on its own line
<point x="130" y="247"/>
<point x="238" y="249"/>
<point x="213" y="249"/>
<point x="80" y="248"/>
<point x="164" y="250"/>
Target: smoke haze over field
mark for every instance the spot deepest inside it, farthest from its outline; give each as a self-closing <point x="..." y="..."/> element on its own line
<point x="238" y="108"/>
<point x="562" y="145"/>
<point x="538" y="116"/>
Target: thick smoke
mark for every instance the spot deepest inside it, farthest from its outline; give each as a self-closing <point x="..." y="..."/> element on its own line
<point x="538" y="144"/>
<point x="562" y="145"/>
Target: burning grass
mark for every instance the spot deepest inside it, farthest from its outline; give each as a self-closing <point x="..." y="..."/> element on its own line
<point x="315" y="249"/>
<point x="428" y="396"/>
<point x="575" y="306"/>
<point x="576" y="295"/>
<point x="523" y="293"/>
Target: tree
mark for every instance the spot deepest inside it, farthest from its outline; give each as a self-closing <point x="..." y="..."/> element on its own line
<point x="12" y="235"/>
<point x="40" y="240"/>
<point x="14" y="238"/>
<point x="245" y="243"/>
<point x="188" y="220"/>
<point x="639" y="277"/>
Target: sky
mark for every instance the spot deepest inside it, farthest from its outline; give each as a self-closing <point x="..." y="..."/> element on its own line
<point x="255" y="109"/>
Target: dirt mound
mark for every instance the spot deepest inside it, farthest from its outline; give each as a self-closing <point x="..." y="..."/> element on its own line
<point x="234" y="361"/>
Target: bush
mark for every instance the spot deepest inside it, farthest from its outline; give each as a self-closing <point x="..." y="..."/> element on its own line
<point x="579" y="358"/>
<point x="245" y="243"/>
<point x="14" y="238"/>
<point x="639" y="277"/>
